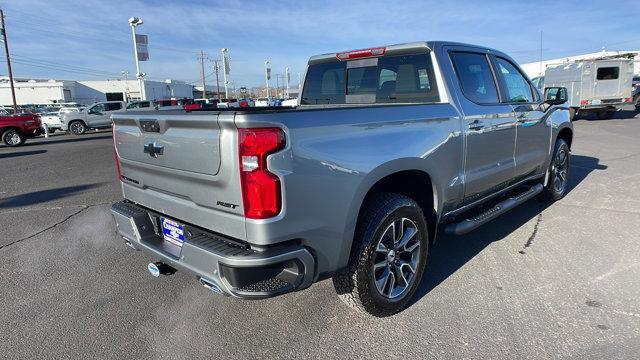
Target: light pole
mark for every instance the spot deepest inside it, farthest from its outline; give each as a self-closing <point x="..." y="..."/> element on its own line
<point x="287" y="79"/>
<point x="267" y="75"/>
<point x="135" y="22"/>
<point x="225" y="66"/>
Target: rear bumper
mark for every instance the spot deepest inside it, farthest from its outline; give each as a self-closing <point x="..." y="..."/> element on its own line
<point x="231" y="266"/>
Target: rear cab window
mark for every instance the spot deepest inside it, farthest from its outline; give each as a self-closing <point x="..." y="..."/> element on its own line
<point x="402" y="79"/>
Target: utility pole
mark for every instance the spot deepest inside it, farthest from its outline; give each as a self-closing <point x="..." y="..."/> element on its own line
<point x="216" y="68"/>
<point x="202" y="75"/>
<point x="541" y="74"/>
<point x="135" y="22"/>
<point x="287" y="79"/>
<point x="6" y="50"/>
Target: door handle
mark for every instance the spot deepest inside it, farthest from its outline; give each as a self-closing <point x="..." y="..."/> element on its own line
<point x="524" y="117"/>
<point x="476" y="125"/>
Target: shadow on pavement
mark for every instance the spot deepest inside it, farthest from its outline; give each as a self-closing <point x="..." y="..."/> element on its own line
<point x="450" y="253"/>
<point x="37" y="197"/>
<point x="67" y="140"/>
<point x="618" y="115"/>
<point x="21" y="153"/>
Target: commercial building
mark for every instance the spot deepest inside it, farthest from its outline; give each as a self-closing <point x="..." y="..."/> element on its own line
<point x="537" y="68"/>
<point x="43" y="91"/>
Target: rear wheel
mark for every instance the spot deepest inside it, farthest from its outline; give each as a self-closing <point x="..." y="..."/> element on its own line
<point x="388" y="256"/>
<point x="13" y="138"/>
<point x="77" y="127"/>
<point x="558" y="172"/>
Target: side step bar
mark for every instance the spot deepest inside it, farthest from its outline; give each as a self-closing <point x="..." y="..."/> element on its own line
<point x="468" y="225"/>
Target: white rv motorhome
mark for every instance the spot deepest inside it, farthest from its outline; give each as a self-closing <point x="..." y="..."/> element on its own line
<point x="599" y="85"/>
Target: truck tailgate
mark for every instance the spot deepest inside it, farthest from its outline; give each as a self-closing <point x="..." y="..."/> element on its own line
<point x="183" y="165"/>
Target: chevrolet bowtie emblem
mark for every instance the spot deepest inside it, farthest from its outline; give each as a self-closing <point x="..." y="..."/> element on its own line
<point x="153" y="149"/>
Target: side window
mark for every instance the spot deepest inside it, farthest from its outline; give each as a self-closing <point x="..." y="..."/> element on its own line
<point x="518" y="88"/>
<point x="608" y="73"/>
<point x="133" y="106"/>
<point x="113" y="106"/>
<point x="475" y="77"/>
<point x="406" y="79"/>
<point x="96" y="109"/>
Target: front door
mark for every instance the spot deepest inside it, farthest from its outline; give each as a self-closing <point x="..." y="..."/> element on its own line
<point x="489" y="127"/>
<point x="97" y="115"/>
<point x="532" y="132"/>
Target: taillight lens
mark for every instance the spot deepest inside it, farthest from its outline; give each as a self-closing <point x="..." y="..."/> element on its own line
<point x="628" y="100"/>
<point x="260" y="188"/>
<point x="244" y="104"/>
<point x="115" y="154"/>
<point x="584" y="102"/>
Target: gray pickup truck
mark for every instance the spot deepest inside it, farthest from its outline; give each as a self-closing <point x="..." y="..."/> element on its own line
<point x="389" y="147"/>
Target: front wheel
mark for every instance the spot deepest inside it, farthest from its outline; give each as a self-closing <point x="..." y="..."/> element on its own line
<point x="13" y="138"/>
<point x="388" y="256"/>
<point x="558" y="172"/>
<point x="77" y="127"/>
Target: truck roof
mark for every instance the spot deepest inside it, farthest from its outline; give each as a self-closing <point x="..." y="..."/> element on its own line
<point x="397" y="49"/>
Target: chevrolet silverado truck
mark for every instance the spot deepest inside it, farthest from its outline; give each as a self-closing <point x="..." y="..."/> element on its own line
<point x="389" y="148"/>
<point x="16" y="129"/>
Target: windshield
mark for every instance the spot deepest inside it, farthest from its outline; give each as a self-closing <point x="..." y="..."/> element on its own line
<point x="388" y="79"/>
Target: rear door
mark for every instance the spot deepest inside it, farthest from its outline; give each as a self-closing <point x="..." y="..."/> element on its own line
<point x="489" y="126"/>
<point x="532" y="130"/>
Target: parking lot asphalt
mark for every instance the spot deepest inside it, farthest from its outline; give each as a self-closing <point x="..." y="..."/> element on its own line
<point x="543" y="281"/>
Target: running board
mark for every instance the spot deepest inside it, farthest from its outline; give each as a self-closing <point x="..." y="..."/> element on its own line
<point x="467" y="225"/>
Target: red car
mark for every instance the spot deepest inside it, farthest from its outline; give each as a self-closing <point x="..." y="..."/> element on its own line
<point x="15" y="129"/>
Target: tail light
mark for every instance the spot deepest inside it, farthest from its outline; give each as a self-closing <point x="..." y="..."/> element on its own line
<point x="115" y="154"/>
<point x="260" y="188"/>
<point x="244" y="104"/>
<point x="628" y="100"/>
<point x="584" y="102"/>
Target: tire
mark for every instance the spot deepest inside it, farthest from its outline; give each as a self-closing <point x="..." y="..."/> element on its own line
<point x="558" y="172"/>
<point x="77" y="127"/>
<point x="636" y="101"/>
<point x="13" y="138"/>
<point x="51" y="131"/>
<point x="379" y="258"/>
<point x="604" y="114"/>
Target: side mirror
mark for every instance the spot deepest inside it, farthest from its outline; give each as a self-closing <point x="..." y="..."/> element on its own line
<point x="555" y="95"/>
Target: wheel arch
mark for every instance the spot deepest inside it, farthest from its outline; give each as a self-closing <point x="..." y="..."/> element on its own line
<point x="409" y="180"/>
<point x="566" y="134"/>
<point x="10" y="127"/>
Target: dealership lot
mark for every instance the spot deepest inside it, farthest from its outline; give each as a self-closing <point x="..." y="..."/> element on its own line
<point x="541" y="281"/>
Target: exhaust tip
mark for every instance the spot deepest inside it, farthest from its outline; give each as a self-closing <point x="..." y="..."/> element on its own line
<point x="158" y="268"/>
<point x="211" y="286"/>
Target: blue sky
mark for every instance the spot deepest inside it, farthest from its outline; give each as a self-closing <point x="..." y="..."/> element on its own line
<point x="91" y="39"/>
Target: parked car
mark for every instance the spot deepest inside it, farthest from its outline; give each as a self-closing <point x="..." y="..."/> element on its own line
<point x="389" y="147"/>
<point x="96" y="116"/>
<point x="202" y="104"/>
<point x="139" y="104"/>
<point x="16" y="129"/>
<point x="601" y="85"/>
<point x="171" y="104"/>
<point x="244" y="103"/>
<point x="51" y="120"/>
<point x="228" y="103"/>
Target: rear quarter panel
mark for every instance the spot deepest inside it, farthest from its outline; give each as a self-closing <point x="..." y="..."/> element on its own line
<point x="334" y="156"/>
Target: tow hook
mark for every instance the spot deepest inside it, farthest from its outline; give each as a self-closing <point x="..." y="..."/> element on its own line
<point x="158" y="268"/>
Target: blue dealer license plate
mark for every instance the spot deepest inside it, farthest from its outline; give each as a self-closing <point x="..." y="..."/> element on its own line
<point x="172" y="231"/>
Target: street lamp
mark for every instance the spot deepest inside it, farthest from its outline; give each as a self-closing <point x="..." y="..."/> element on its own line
<point x="225" y="68"/>
<point x="135" y="22"/>
<point x="267" y="75"/>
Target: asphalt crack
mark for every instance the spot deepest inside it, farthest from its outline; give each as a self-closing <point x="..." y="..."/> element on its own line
<point x="83" y="208"/>
<point x="532" y="237"/>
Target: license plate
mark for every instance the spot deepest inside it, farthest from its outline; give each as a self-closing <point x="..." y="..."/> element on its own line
<point x="596" y="102"/>
<point x="172" y="231"/>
